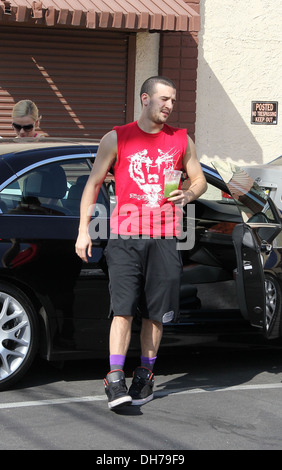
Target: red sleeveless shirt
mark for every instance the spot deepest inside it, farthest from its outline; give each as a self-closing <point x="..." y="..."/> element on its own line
<point x="139" y="180"/>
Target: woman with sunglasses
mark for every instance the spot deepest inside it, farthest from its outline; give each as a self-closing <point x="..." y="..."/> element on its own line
<point x="25" y="119"/>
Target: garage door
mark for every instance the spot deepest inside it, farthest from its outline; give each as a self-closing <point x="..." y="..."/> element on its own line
<point x="78" y="79"/>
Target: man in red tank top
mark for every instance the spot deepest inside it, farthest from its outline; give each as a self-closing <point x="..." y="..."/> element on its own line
<point x="144" y="264"/>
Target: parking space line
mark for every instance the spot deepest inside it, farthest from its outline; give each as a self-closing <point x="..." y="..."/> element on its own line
<point x="232" y="388"/>
<point x="51" y="401"/>
<point x="159" y="393"/>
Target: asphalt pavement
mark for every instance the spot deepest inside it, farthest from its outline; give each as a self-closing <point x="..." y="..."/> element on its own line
<point x="207" y="398"/>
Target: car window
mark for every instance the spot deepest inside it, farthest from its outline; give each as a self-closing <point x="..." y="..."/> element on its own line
<point x="51" y="189"/>
<point x="215" y="194"/>
<point x="251" y="200"/>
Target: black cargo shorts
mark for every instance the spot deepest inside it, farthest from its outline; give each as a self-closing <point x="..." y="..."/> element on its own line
<point x="144" y="277"/>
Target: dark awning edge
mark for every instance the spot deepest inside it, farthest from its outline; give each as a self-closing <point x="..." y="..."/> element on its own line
<point x="174" y="15"/>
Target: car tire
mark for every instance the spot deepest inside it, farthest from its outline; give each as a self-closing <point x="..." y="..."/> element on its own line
<point x="18" y="335"/>
<point x="273" y="303"/>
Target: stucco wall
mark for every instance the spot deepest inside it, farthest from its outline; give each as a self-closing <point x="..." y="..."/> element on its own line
<point x="174" y="55"/>
<point x="239" y="61"/>
<point x="147" y="63"/>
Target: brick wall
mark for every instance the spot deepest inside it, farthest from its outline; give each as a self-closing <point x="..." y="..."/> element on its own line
<point x="179" y="61"/>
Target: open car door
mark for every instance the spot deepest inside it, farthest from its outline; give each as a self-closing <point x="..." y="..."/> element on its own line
<point x="253" y="242"/>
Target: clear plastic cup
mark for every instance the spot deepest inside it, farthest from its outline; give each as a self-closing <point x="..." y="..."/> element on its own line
<point x="172" y="179"/>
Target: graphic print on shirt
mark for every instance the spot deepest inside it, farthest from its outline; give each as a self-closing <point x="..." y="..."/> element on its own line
<point x="147" y="173"/>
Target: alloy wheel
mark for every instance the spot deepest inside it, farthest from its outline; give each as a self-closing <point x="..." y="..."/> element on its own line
<point x="18" y="336"/>
<point x="271" y="299"/>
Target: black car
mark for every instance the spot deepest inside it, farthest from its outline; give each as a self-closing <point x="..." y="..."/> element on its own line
<point x="53" y="304"/>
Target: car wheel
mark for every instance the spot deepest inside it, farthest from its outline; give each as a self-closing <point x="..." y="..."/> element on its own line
<point x="273" y="302"/>
<point x="18" y="335"/>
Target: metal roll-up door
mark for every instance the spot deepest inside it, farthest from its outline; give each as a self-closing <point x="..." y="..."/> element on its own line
<point x="78" y="79"/>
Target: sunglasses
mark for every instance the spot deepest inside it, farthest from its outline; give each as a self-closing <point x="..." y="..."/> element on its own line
<point x="26" y="128"/>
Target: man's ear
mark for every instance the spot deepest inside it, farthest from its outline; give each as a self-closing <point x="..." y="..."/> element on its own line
<point x="145" y="98"/>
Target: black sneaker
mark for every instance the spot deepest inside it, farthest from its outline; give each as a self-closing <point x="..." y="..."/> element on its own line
<point x="141" y="389"/>
<point x="116" y="390"/>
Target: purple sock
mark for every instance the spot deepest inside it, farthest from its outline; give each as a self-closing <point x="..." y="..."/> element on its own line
<point x="117" y="361"/>
<point x="148" y="362"/>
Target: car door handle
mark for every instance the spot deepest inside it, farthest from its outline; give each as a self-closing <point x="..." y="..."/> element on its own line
<point x="266" y="247"/>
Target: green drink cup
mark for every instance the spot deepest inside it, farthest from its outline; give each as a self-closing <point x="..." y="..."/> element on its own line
<point x="172" y="179"/>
